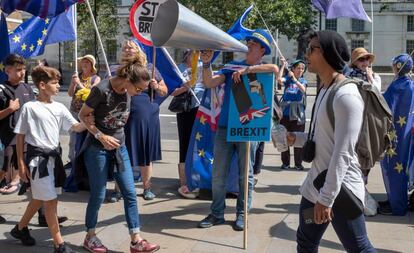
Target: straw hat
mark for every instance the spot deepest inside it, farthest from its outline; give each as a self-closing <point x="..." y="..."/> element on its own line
<point x="91" y="59"/>
<point x="361" y="52"/>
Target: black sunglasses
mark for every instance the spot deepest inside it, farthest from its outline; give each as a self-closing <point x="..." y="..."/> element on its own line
<point x="309" y="49"/>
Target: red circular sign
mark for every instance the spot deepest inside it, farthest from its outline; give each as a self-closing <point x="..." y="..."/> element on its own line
<point x="142" y="15"/>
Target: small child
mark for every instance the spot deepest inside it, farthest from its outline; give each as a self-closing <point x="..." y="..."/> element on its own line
<point x="39" y="125"/>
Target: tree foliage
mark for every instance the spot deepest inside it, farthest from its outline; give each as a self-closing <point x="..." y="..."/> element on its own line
<point x="290" y="17"/>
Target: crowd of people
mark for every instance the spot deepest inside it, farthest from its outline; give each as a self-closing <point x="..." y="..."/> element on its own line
<point x="114" y="131"/>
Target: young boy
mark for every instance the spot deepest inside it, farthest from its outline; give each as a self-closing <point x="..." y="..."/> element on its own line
<point x="39" y="125"/>
<point x="13" y="94"/>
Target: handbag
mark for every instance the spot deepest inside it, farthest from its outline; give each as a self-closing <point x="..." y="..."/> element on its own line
<point x="182" y="103"/>
<point x="346" y="202"/>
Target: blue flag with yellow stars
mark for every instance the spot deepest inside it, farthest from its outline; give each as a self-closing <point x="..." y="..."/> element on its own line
<point x="397" y="166"/>
<point x="40" y="8"/>
<point x="4" y="45"/>
<point x="30" y="38"/>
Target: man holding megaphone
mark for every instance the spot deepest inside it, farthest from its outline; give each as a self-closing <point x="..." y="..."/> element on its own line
<point x="258" y="44"/>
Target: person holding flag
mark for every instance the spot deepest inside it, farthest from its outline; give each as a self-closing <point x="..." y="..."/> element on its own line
<point x="258" y="44"/>
<point x="395" y="166"/>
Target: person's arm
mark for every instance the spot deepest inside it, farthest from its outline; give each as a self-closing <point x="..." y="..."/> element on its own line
<point x="14" y="105"/>
<point x="159" y="87"/>
<point x="263" y="68"/>
<point x="210" y="80"/>
<point x="282" y="71"/>
<point x="96" y="81"/>
<point x="301" y="86"/>
<point x="182" y="89"/>
<point x="74" y="84"/>
<point x="23" y="171"/>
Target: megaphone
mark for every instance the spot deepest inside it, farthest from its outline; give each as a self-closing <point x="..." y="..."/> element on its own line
<point x="178" y="27"/>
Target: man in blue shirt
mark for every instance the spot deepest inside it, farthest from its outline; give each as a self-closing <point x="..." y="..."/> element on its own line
<point x="258" y="45"/>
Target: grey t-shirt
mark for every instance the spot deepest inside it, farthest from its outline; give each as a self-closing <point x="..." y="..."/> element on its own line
<point x="111" y="110"/>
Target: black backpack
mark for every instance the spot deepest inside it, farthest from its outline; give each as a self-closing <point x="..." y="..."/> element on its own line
<point x="7" y="124"/>
<point x="377" y="123"/>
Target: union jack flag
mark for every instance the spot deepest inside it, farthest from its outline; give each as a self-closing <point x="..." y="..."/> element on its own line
<point x="253" y="113"/>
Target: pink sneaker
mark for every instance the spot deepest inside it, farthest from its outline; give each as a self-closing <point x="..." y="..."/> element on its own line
<point x="94" y="245"/>
<point x="144" y="246"/>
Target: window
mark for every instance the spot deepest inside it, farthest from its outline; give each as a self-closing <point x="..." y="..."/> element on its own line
<point x="410" y="46"/>
<point x="356" y="43"/>
<point x="331" y="24"/>
<point x="358" y="25"/>
<point x="68" y="51"/>
<point x="87" y="47"/>
<point x="410" y="24"/>
<point x="111" y="50"/>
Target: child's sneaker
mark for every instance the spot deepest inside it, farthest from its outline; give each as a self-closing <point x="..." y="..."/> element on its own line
<point x="144" y="246"/>
<point x="64" y="248"/>
<point x="94" y="245"/>
<point x="23" y="235"/>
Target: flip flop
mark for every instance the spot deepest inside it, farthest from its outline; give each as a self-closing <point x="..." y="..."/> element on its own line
<point x="185" y="192"/>
<point x="10" y="189"/>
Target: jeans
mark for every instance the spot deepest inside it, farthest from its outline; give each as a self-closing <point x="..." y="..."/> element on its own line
<point x="351" y="233"/>
<point x="97" y="162"/>
<point x="223" y="152"/>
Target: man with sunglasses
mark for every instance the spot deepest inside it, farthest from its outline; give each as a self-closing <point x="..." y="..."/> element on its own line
<point x="334" y="153"/>
<point x="258" y="44"/>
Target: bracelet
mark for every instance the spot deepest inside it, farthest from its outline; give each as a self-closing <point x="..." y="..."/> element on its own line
<point x="98" y="134"/>
<point x="206" y="65"/>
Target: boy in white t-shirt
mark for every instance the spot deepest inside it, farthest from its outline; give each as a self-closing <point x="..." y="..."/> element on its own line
<point x="39" y="125"/>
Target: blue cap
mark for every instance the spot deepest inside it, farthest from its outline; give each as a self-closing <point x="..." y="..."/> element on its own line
<point x="404" y="63"/>
<point x="263" y="38"/>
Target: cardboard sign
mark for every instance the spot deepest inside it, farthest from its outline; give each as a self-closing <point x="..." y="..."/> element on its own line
<point x="142" y="15"/>
<point x="250" y="111"/>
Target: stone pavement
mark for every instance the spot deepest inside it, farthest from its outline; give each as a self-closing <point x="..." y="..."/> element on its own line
<point x="172" y="221"/>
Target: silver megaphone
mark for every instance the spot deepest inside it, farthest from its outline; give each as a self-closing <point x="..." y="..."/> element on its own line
<point x="178" y="27"/>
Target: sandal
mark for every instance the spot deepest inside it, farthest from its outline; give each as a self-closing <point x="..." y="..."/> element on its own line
<point x="185" y="192"/>
<point x="10" y="189"/>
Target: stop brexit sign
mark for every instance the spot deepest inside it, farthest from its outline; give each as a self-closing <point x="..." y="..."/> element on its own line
<point x="142" y="15"/>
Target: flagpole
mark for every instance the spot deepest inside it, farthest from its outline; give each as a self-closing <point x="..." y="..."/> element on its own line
<point x="75" y="23"/>
<point x="246" y="192"/>
<point x="154" y="61"/>
<point x="372" y="27"/>
<point x="99" y="37"/>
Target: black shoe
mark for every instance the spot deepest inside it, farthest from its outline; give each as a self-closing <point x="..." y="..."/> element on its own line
<point x="43" y="222"/>
<point x="385" y="210"/>
<point x="299" y="167"/>
<point x="238" y="224"/>
<point x="64" y="248"/>
<point x="285" y="167"/>
<point x="383" y="203"/>
<point x="210" y="221"/>
<point x="2" y="219"/>
<point x="23" y="235"/>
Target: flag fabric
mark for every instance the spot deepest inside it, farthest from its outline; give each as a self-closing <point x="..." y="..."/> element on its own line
<point x="40" y="8"/>
<point x="5" y="47"/>
<point x="342" y="8"/>
<point x="166" y="66"/>
<point x="30" y="38"/>
<point x="200" y="157"/>
<point x="397" y="166"/>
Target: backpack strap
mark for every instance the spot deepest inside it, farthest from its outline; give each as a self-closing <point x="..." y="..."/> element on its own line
<point x="6" y="89"/>
<point x="331" y="96"/>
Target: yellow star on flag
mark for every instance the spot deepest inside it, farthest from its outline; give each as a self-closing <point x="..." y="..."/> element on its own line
<point x="203" y="120"/>
<point x="24" y="47"/>
<point x="402" y="121"/>
<point x="46" y="21"/>
<point x="16" y="39"/>
<point x="31" y="48"/>
<point x="399" y="168"/>
<point x="392" y="135"/>
<point x="198" y="136"/>
<point x="391" y="152"/>
<point x="44" y="32"/>
<point x="201" y="153"/>
<point x="1" y="66"/>
<point x="39" y="42"/>
<point x="212" y="161"/>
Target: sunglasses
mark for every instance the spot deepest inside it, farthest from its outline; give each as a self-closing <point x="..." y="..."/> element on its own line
<point x="309" y="49"/>
<point x="138" y="89"/>
<point x="362" y="59"/>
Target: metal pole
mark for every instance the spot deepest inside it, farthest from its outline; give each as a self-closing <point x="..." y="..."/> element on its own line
<point x="75" y="22"/>
<point x="99" y="37"/>
<point x="372" y="27"/>
<point x="246" y="192"/>
<point x="154" y="61"/>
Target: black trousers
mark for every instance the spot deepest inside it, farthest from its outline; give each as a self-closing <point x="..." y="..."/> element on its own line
<point x="292" y="126"/>
<point x="258" y="158"/>
<point x="185" y="122"/>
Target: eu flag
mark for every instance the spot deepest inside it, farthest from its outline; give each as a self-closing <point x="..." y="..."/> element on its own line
<point x="397" y="166"/>
<point x="4" y="46"/>
<point x="40" y="8"/>
<point x="342" y="8"/>
<point x="30" y="38"/>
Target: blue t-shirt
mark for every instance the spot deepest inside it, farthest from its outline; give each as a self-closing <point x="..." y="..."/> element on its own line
<point x="224" y="114"/>
<point x="292" y="92"/>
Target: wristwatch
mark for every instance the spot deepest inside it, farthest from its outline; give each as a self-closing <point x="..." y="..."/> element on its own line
<point x="98" y="134"/>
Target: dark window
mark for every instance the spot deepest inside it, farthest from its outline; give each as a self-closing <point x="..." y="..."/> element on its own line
<point x="410" y="24"/>
<point x="68" y="51"/>
<point x="111" y="49"/>
<point x="358" y="25"/>
<point x="356" y="43"/>
<point x="410" y="46"/>
<point x="331" y="24"/>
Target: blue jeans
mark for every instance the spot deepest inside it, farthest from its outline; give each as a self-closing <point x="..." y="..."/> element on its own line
<point x="351" y="233"/>
<point x="223" y="152"/>
<point x="97" y="161"/>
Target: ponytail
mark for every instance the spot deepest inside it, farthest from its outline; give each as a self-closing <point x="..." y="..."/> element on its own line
<point x="133" y="70"/>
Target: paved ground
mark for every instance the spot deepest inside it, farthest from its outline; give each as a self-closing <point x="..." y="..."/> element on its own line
<point x="171" y="221"/>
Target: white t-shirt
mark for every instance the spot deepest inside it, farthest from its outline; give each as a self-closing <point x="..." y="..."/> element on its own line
<point x="40" y="127"/>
